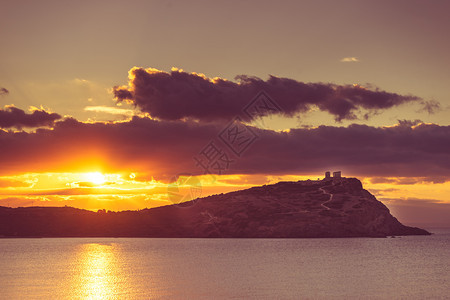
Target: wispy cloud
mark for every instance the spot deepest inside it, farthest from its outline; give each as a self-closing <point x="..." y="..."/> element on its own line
<point x="350" y="59"/>
<point x="430" y="106"/>
<point x="3" y="91"/>
<point x="110" y="110"/>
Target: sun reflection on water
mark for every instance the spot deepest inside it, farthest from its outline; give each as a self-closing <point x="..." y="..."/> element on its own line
<point x="98" y="273"/>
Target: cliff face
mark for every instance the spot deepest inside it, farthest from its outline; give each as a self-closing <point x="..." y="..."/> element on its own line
<point x="327" y="208"/>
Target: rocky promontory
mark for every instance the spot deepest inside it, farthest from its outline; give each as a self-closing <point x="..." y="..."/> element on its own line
<point x="333" y="207"/>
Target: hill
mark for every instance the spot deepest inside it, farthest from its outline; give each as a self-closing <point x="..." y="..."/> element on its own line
<point x="337" y="207"/>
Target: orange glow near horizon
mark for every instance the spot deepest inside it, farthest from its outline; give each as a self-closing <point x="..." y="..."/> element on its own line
<point x="123" y="191"/>
<point x="413" y="200"/>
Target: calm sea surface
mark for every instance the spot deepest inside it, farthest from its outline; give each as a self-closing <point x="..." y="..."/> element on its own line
<point x="109" y="268"/>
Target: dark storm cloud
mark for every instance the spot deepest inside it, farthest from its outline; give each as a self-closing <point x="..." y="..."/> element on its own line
<point x="14" y="117"/>
<point x="165" y="148"/>
<point x="178" y="95"/>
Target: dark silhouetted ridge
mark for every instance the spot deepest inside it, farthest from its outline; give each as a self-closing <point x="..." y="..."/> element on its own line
<point x="303" y="209"/>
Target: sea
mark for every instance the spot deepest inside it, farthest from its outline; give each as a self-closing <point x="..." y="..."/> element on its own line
<point x="413" y="267"/>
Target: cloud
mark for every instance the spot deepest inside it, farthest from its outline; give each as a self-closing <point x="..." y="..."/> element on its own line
<point x="84" y="188"/>
<point x="410" y="180"/>
<point x="163" y="149"/>
<point x="3" y="91"/>
<point x="430" y="106"/>
<point x="12" y="183"/>
<point x="409" y="123"/>
<point x="110" y="110"/>
<point x="11" y="116"/>
<point x="349" y="59"/>
<point x="92" y="202"/>
<point x="180" y="95"/>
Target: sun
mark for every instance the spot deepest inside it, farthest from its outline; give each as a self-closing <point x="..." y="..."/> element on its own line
<point x="96" y="178"/>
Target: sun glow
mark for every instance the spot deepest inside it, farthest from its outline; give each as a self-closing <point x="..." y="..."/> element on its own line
<point x="96" y="178"/>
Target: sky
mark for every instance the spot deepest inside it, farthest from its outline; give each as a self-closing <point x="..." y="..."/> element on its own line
<point x="127" y="104"/>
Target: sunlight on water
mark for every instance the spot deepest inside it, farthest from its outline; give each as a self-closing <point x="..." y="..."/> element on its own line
<point x="109" y="268"/>
<point x="98" y="273"/>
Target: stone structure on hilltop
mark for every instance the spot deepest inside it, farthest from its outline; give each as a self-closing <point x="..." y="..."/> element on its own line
<point x="336" y="175"/>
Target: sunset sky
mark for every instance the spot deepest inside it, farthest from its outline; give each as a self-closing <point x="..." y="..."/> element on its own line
<point x="121" y="104"/>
